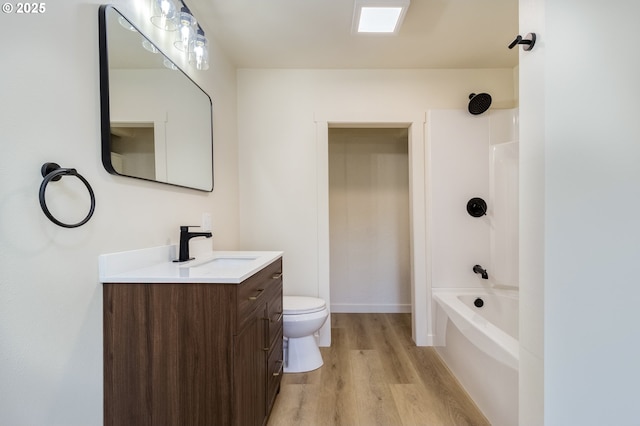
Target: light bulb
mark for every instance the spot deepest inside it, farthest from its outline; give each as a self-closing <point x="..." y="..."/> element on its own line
<point x="164" y="15"/>
<point x="199" y="52"/>
<point x="186" y="30"/>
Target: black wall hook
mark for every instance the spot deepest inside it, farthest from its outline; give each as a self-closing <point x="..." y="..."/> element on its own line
<point x="528" y="41"/>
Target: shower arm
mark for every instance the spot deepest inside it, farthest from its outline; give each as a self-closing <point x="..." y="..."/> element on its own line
<point x="528" y="41"/>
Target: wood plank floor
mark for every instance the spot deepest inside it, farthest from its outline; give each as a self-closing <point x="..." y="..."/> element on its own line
<point x="373" y="374"/>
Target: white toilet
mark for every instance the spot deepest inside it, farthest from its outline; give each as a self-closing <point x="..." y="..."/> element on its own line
<point x="302" y="317"/>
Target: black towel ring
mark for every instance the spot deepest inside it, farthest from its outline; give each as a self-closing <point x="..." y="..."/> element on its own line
<point x="53" y="172"/>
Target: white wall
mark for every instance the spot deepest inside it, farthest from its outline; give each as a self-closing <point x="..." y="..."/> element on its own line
<point x="50" y="298"/>
<point x="580" y="186"/>
<point x="369" y="220"/>
<point x="278" y="149"/>
<point x="532" y="216"/>
<point x="183" y="154"/>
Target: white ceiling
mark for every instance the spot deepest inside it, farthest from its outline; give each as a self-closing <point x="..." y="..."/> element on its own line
<point x="317" y="34"/>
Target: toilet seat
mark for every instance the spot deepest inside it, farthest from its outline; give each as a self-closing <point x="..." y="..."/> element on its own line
<point x="299" y="305"/>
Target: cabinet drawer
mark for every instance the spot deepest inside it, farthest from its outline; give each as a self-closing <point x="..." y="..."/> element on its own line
<point x="254" y="291"/>
<point x="275" y="367"/>
<point x="274" y="314"/>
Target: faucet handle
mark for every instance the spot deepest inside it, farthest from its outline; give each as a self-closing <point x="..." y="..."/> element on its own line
<point x="185" y="228"/>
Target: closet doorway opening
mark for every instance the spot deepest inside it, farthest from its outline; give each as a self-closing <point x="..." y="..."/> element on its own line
<point x="369" y="220"/>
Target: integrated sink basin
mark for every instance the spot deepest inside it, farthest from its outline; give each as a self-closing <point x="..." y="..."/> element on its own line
<point x="220" y="265"/>
<point x="220" y="262"/>
<point x="232" y="261"/>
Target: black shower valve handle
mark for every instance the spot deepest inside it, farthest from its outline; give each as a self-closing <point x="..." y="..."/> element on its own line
<point x="477" y="207"/>
<point x="529" y="41"/>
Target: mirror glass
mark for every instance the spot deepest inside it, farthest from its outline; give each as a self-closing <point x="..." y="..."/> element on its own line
<point x="156" y="122"/>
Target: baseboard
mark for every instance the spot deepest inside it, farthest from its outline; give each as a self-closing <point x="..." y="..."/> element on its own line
<point x="352" y="308"/>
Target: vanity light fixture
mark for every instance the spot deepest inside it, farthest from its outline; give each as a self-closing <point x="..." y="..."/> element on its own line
<point x="187" y="25"/>
<point x="199" y="51"/>
<point x="189" y="38"/>
<point x="378" y="16"/>
<point x="164" y="15"/>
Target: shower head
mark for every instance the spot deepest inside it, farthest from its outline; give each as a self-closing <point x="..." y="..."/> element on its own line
<point x="479" y="103"/>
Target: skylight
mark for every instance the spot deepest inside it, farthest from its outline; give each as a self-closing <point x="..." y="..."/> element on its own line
<point x="378" y="16"/>
<point x="378" y="19"/>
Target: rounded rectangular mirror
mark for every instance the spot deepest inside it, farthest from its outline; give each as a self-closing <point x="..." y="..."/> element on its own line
<point x="156" y="122"/>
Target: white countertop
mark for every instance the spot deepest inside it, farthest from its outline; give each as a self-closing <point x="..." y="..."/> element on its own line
<point x="155" y="265"/>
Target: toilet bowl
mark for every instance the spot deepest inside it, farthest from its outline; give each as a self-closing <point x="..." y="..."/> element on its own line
<point x="302" y="317"/>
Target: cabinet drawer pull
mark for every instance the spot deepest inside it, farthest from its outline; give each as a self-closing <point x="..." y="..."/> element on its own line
<point x="271" y="320"/>
<point x="276" y="276"/>
<point x="277" y="373"/>
<point x="259" y="293"/>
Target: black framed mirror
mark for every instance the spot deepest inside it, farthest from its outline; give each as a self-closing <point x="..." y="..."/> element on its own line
<point x="156" y="121"/>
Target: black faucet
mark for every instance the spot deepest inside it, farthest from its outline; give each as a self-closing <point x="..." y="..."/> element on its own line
<point x="479" y="270"/>
<point x="185" y="236"/>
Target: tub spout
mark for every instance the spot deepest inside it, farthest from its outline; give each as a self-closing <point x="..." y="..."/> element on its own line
<point x="480" y="270"/>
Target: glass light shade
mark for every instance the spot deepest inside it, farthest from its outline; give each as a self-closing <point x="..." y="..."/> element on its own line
<point x="186" y="31"/>
<point x="168" y="64"/>
<point x="126" y="24"/>
<point x="199" y="52"/>
<point x="164" y="14"/>
<point x="149" y="46"/>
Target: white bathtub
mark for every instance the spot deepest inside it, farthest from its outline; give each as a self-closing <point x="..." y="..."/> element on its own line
<point x="493" y="328"/>
<point x="480" y="346"/>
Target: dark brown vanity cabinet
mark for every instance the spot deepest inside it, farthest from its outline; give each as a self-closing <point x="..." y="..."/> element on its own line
<point x="191" y="353"/>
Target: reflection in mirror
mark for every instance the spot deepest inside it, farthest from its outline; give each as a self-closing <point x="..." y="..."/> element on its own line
<point x="156" y="122"/>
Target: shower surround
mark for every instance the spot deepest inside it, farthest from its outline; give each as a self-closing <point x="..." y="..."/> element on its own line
<point x="476" y="156"/>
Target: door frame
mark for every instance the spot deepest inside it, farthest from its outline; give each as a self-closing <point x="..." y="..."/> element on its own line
<point x="421" y="306"/>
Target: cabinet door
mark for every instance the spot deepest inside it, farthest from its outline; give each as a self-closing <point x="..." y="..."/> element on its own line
<point x="250" y="372"/>
<point x="167" y="354"/>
